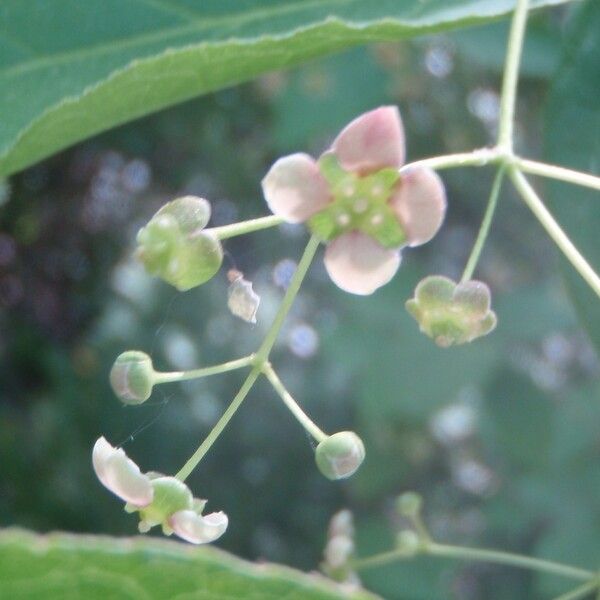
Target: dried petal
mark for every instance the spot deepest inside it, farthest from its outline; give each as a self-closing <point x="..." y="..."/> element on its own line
<point x="371" y="142"/>
<point x="295" y="189"/>
<point x="420" y="204"/>
<point x="358" y="264"/>
<point x="120" y="474"/>
<point x="242" y="300"/>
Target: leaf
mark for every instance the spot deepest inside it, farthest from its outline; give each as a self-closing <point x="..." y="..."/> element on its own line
<point x="65" y="566"/>
<point x="573" y="140"/>
<point x="70" y="69"/>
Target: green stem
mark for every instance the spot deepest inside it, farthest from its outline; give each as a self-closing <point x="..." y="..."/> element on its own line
<point x="258" y="360"/>
<point x="477" y="158"/>
<point x="511" y="76"/>
<point x="555" y="172"/>
<point x="216" y="431"/>
<point x="484" y="229"/>
<point x="480" y="555"/>
<point x="554" y="230"/>
<point x="203" y="372"/>
<point x="507" y="558"/>
<point x="579" y="592"/>
<point x="292" y="405"/>
<point x="228" y="231"/>
<point x="309" y="253"/>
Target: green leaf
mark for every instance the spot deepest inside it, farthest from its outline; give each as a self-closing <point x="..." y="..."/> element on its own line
<point x="573" y="140"/>
<point x="65" y="567"/>
<point x="70" y="69"/>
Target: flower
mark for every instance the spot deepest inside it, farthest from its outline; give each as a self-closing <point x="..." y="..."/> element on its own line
<point x="452" y="313"/>
<point x="357" y="200"/>
<point x="159" y="499"/>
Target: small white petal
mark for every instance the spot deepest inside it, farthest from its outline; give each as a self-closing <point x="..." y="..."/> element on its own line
<point x="420" y="204"/>
<point x="295" y="189"/>
<point x="198" y="529"/>
<point x="371" y="142"/>
<point x="358" y="264"/>
<point x="120" y="474"/>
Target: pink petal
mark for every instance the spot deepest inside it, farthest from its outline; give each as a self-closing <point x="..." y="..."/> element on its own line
<point x="120" y="474"/>
<point x="295" y="189"/>
<point x="196" y="529"/>
<point x="358" y="264"/>
<point x="371" y="142"/>
<point x="420" y="204"/>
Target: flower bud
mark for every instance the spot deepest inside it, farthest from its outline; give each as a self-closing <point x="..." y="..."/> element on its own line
<point x="340" y="455"/>
<point x="132" y="377"/>
<point x="174" y="247"/>
<point x="409" y="504"/>
<point x="452" y="313"/>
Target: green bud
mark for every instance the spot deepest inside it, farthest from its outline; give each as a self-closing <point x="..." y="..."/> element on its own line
<point x="409" y="504"/>
<point x="174" y="247"/>
<point x="132" y="377"/>
<point x="452" y="313"/>
<point x="340" y="455"/>
<point x="170" y="496"/>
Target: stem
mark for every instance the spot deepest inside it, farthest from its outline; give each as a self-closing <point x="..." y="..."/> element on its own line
<point x="579" y="592"/>
<point x="228" y="231"/>
<point x="555" y="172"/>
<point x="560" y="238"/>
<point x="511" y="76"/>
<point x="507" y="558"/>
<point x="216" y="431"/>
<point x="292" y="405"/>
<point x="484" y="229"/>
<point x="204" y="372"/>
<point x="309" y="253"/>
<point x="481" y="555"/>
<point x="258" y="360"/>
<point x="476" y="158"/>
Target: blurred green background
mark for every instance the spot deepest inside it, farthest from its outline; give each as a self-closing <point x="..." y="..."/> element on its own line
<point x="500" y="437"/>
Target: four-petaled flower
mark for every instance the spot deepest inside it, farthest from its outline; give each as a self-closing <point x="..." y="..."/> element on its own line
<point x="159" y="499"/>
<point x="357" y="200"/>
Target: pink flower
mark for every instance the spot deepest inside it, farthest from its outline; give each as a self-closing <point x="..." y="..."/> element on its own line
<point x="160" y="500"/>
<point x="356" y="199"/>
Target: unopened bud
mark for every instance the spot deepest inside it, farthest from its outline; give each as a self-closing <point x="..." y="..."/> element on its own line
<point x="132" y="377"/>
<point x="409" y="504"/>
<point x="340" y="455"/>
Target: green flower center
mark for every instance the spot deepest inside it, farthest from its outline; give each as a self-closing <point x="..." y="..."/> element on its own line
<point x="359" y="204"/>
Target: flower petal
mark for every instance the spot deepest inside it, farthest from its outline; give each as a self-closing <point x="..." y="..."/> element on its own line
<point x="120" y="474"/>
<point x="198" y="529"/>
<point x="295" y="189"/>
<point x="420" y="204"/>
<point x="358" y="264"/>
<point x="371" y="142"/>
